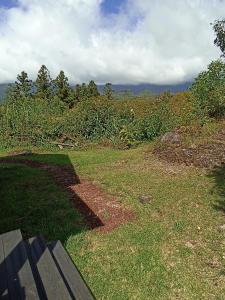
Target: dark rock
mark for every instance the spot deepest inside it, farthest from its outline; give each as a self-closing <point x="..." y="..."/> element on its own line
<point x="145" y="199"/>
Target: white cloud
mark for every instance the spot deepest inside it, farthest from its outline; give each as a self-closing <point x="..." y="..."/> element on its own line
<point x="151" y="41"/>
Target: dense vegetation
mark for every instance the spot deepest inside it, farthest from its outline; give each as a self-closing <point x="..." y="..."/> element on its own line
<point x="46" y="111"/>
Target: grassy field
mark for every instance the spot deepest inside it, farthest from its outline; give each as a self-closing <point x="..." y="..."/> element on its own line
<point x="174" y="250"/>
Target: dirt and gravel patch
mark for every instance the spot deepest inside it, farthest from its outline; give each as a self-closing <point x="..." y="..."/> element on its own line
<point x="100" y="210"/>
<point x="206" y="155"/>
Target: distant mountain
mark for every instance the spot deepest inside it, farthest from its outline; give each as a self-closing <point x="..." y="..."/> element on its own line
<point x="133" y="89"/>
<point x="153" y="88"/>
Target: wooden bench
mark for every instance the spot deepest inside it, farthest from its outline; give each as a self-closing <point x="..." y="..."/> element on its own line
<point x="31" y="269"/>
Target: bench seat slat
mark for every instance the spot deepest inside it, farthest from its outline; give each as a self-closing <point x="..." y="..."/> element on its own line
<point x="52" y="282"/>
<point x="21" y="283"/>
<point x="70" y="273"/>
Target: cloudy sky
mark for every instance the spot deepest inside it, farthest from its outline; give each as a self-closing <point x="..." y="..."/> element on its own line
<point x="118" y="41"/>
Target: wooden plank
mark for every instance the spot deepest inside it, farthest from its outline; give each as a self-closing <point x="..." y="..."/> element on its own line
<point x="53" y="284"/>
<point x="70" y="273"/>
<point x="21" y="283"/>
<point x="3" y="279"/>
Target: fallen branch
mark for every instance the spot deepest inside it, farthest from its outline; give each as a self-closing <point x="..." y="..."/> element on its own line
<point x="61" y="145"/>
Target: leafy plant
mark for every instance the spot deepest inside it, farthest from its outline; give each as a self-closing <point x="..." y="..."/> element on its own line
<point x="208" y="91"/>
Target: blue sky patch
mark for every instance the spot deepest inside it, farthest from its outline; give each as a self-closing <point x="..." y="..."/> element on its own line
<point x="8" y="3"/>
<point x="112" y="6"/>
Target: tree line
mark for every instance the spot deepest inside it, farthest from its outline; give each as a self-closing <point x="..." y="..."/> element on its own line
<point x="59" y="88"/>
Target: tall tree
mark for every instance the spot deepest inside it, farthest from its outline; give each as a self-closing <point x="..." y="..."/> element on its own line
<point x="84" y="91"/>
<point x="108" y="91"/>
<point x="23" y="85"/>
<point x="62" y="88"/>
<point x="43" y="83"/>
<point x="77" y="93"/>
<point x="92" y="89"/>
<point x="21" y="89"/>
<point x="219" y="28"/>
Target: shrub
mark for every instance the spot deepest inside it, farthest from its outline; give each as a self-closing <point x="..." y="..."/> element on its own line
<point x="39" y="122"/>
<point x="95" y="118"/>
<point x="208" y="91"/>
<point x="33" y="121"/>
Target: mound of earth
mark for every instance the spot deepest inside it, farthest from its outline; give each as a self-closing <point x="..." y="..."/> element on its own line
<point x="172" y="148"/>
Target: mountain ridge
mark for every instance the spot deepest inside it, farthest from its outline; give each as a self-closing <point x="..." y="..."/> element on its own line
<point x="133" y="89"/>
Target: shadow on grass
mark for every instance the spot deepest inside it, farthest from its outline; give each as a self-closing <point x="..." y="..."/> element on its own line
<point x="35" y="197"/>
<point x="218" y="174"/>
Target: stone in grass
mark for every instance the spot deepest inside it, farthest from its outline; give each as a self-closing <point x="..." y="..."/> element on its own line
<point x="222" y="227"/>
<point x="171" y="138"/>
<point x="190" y="245"/>
<point x="214" y="263"/>
<point x="145" y="199"/>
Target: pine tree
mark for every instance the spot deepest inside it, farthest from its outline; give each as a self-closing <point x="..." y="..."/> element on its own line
<point x="108" y="91"/>
<point x="23" y="85"/>
<point x="21" y="89"/>
<point x="84" y="93"/>
<point x="219" y="28"/>
<point x="62" y="88"/>
<point x="43" y="83"/>
<point x="77" y="93"/>
<point x="92" y="89"/>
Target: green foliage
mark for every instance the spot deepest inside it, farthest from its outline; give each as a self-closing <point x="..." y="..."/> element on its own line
<point x="208" y="91"/>
<point x="148" y="127"/>
<point x="43" y="83"/>
<point x="92" y="90"/>
<point x="219" y="28"/>
<point x="92" y="119"/>
<point x="23" y="86"/>
<point x="84" y="92"/>
<point x="62" y="89"/>
<point x="31" y="122"/>
<point x="108" y="91"/>
<point x="80" y="114"/>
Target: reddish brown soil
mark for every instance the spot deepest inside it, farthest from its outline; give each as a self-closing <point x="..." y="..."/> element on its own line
<point x="208" y="155"/>
<point x="101" y="211"/>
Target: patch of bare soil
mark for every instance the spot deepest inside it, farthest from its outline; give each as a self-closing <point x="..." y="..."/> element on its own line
<point x="100" y="210"/>
<point x="208" y="155"/>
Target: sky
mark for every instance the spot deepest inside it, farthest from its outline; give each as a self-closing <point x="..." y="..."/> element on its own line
<point x="117" y="41"/>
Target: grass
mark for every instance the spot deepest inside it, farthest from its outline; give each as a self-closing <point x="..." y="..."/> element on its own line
<point x="31" y="201"/>
<point x="174" y="250"/>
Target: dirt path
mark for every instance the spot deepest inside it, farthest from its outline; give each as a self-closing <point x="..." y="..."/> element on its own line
<point x="101" y="211"/>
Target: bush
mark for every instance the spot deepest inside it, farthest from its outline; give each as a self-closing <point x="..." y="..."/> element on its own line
<point x="31" y="121"/>
<point x="208" y="91"/>
<point x="95" y="118"/>
<point x="39" y="122"/>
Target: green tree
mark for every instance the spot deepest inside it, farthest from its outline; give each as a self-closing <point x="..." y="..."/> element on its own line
<point x="92" y="89"/>
<point x="62" y="89"/>
<point x="219" y="28"/>
<point x="84" y="92"/>
<point x="77" y="93"/>
<point x="43" y="83"/>
<point x="23" y="86"/>
<point x="208" y="90"/>
<point x="108" y="91"/>
<point x="21" y="89"/>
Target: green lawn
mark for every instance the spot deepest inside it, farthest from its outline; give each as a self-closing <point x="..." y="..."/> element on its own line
<point x="174" y="250"/>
